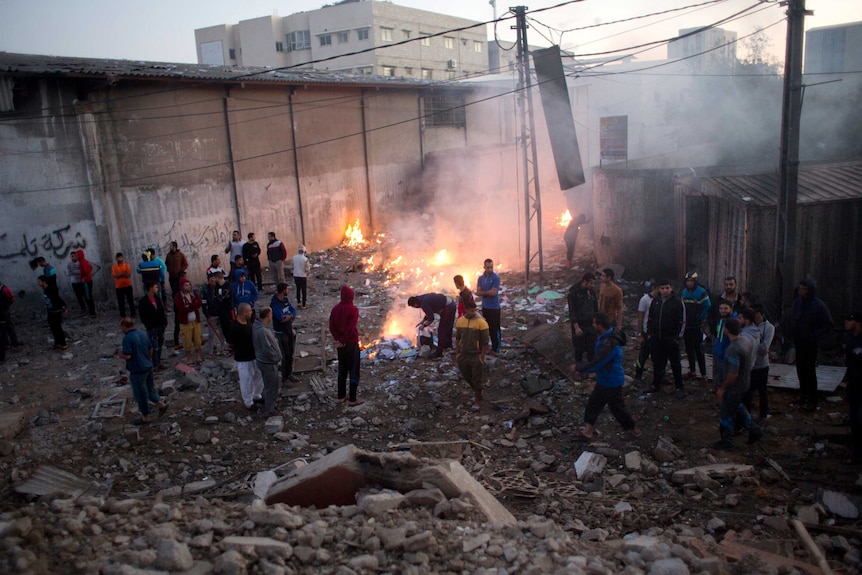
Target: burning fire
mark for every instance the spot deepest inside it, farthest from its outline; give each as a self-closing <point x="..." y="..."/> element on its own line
<point x="353" y="235"/>
<point x="565" y="219"/>
<point x="442" y="258"/>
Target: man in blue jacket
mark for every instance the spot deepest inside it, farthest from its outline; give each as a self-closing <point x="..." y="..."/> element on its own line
<point x="697" y="305"/>
<point x="607" y="364"/>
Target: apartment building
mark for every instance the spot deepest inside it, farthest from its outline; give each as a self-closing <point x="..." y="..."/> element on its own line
<point x="833" y="49"/>
<point x="711" y="49"/>
<point x="352" y="36"/>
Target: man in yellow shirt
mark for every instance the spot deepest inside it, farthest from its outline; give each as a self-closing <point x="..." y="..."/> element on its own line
<point x="472" y="337"/>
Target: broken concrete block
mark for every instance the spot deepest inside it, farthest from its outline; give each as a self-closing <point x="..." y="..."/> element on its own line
<point x="424" y="497"/>
<point x="839" y="504"/>
<point x="633" y="460"/>
<point x="391" y="538"/>
<point x="589" y="465"/>
<point x="168" y="387"/>
<point x="273" y="425"/>
<point x="470" y="545"/>
<point x="535" y="385"/>
<point x="376" y="504"/>
<point x="808" y="514"/>
<point x="335" y="479"/>
<point x="192" y="382"/>
<point x="281" y="548"/>
<point x="11" y="424"/>
<point x="639" y="543"/>
<point x="454" y="481"/>
<point x="777" y="522"/>
<point x="665" y="451"/>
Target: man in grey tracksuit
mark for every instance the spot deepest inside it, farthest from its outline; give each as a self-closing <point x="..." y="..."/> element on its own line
<point x="267" y="354"/>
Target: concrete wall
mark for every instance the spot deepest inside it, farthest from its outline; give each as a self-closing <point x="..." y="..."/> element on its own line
<point x="47" y="209"/>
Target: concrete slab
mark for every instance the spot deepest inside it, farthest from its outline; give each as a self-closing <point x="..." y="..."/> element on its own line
<point x="11" y="424"/>
<point x="783" y="376"/>
<point x="335" y="479"/>
<point x="454" y="481"/>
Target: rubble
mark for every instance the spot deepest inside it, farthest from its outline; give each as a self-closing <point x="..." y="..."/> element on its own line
<point x="503" y="494"/>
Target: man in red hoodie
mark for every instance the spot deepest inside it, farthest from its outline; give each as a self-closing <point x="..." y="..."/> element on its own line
<point x="343" y="322"/>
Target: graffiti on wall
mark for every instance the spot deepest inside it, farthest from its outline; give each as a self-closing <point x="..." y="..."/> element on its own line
<point x="54" y="244"/>
<point x="192" y="238"/>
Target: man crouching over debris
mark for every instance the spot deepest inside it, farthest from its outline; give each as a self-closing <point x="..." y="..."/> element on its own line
<point x="472" y="336"/>
<point x="607" y="364"/>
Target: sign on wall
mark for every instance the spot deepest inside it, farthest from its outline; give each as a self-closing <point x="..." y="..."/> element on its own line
<point x="614" y="137"/>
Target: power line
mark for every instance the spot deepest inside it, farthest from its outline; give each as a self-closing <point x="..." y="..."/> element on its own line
<point x="393" y="124"/>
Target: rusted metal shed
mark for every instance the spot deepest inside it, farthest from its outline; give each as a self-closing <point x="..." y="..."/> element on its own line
<point x="721" y="222"/>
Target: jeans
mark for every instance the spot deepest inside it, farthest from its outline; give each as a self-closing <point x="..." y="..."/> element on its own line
<point x="287" y="342"/>
<point x="126" y="294"/>
<point x="613" y="398"/>
<point x="759" y="379"/>
<point x="666" y="349"/>
<point x="348" y="365"/>
<point x="806" y="371"/>
<point x="144" y="390"/>
<point x="584" y="343"/>
<point x="301" y="290"/>
<point x="492" y="316"/>
<point x="277" y="271"/>
<point x="694" y="350"/>
<point x="254" y="275"/>
<point x="157" y="337"/>
<point x="269" y="372"/>
<point x="55" y="322"/>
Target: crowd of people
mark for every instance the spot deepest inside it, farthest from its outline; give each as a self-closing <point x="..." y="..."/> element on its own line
<point x="741" y="336"/>
<point x="733" y="324"/>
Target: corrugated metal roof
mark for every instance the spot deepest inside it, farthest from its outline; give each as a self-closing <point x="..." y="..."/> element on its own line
<point x="35" y="65"/>
<point x="818" y="183"/>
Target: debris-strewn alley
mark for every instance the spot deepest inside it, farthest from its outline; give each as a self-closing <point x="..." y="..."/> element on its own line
<point x="85" y="491"/>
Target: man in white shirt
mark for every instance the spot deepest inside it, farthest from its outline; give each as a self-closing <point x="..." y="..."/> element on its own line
<point x="643" y="320"/>
<point x="300" y="276"/>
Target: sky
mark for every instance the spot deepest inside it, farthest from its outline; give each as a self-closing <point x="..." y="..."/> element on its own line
<point x="163" y="30"/>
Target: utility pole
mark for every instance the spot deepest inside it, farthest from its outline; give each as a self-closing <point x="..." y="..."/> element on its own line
<point x="532" y="195"/>
<point x="791" y="111"/>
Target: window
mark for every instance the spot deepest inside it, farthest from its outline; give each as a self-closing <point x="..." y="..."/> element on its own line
<point x="364" y="70"/>
<point x="362" y="33"/>
<point x="343" y="37"/>
<point x="388" y="70"/>
<point x="408" y="70"/>
<point x="450" y="74"/>
<point x="279" y="46"/>
<point x="406" y="33"/>
<point x="424" y="41"/>
<point x="299" y="40"/>
<point x="231" y="53"/>
<point x="386" y="34"/>
<point x="448" y="42"/>
<point x="445" y="110"/>
<point x="325" y="39"/>
<point x="477" y="46"/>
<point x="426" y="73"/>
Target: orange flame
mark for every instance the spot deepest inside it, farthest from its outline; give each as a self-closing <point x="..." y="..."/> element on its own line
<point x="353" y="235"/>
<point x="565" y="219"/>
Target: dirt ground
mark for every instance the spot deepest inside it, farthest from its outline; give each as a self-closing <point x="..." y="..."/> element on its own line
<point x="416" y="399"/>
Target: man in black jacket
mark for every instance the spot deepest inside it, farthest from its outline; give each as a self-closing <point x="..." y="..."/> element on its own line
<point x="811" y="321"/>
<point x="665" y="326"/>
<point x="251" y="255"/>
<point x="152" y="312"/>
<point x="583" y="305"/>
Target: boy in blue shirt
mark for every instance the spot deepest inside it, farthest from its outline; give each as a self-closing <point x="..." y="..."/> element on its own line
<point x="137" y="350"/>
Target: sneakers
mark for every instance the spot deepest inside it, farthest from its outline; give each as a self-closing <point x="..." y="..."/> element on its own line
<point x="293" y="379"/>
<point x="254" y="408"/>
<point x="722" y="445"/>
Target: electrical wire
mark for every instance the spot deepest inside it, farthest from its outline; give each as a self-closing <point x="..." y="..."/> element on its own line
<point x="393" y="124"/>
